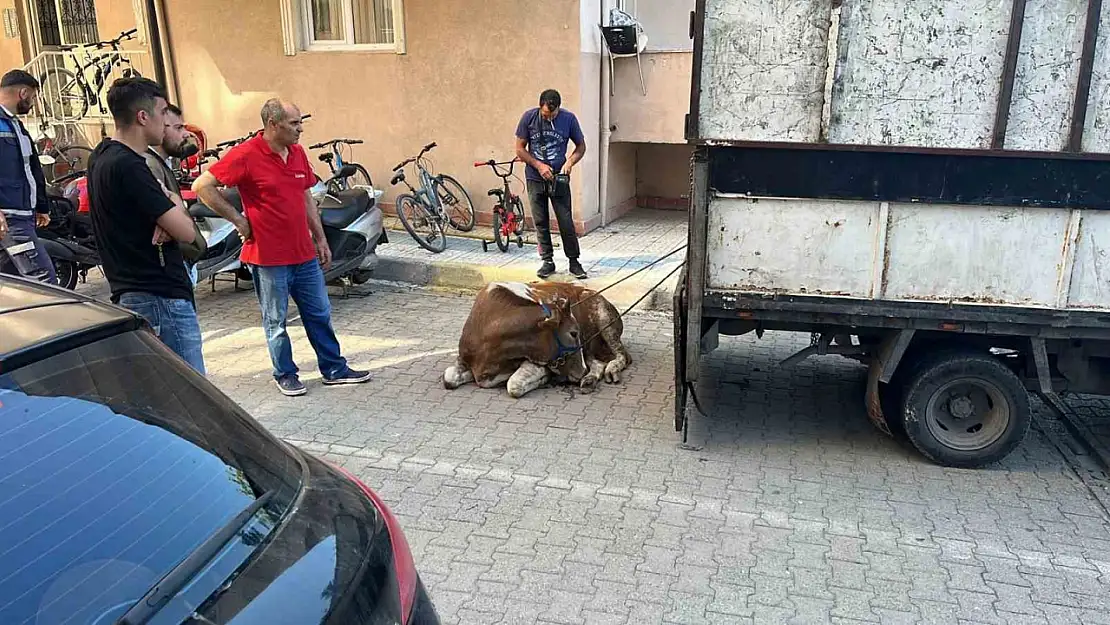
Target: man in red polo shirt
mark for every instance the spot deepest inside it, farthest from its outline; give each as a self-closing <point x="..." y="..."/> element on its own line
<point x="283" y="241"/>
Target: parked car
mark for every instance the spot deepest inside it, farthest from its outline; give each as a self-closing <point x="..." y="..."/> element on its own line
<point x="133" y="491"/>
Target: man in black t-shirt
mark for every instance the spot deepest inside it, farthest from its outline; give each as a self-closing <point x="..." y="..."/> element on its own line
<point x="138" y="222"/>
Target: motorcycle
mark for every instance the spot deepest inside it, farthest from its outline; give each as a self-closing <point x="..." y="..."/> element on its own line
<point x="68" y="238"/>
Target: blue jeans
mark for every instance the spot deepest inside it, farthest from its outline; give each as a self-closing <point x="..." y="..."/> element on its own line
<point x="173" y="320"/>
<point x="22" y="230"/>
<point x="305" y="283"/>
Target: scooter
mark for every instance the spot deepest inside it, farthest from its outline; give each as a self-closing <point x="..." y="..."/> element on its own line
<point x="224" y="244"/>
<point x="353" y="227"/>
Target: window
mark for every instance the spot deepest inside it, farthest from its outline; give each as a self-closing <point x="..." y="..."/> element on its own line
<point x="352" y="24"/>
<point x="66" y="22"/>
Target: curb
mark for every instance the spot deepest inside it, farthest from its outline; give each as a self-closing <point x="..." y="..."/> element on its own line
<point x="471" y="278"/>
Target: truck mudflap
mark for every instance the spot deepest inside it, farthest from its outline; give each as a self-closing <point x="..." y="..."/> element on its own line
<point x="883" y="365"/>
<point x="679" y="316"/>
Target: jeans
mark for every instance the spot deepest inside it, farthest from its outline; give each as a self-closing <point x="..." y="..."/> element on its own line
<point x="22" y="229"/>
<point x="305" y="283"/>
<point x="173" y="320"/>
<point x="538" y="197"/>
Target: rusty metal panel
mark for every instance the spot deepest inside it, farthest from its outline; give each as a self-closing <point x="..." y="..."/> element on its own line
<point x="823" y="247"/>
<point x="1047" y="73"/>
<point x="975" y="254"/>
<point x="922" y="73"/>
<point x="1096" y="132"/>
<point x="763" y="69"/>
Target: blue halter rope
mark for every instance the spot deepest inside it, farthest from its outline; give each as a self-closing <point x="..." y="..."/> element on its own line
<point x="562" y="351"/>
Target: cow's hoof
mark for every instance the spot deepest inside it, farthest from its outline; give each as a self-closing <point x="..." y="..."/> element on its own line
<point x="613" y="377"/>
<point x="589" y="383"/>
<point x="451" y="378"/>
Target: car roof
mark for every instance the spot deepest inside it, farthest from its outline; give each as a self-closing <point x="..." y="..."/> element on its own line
<point x="39" y="320"/>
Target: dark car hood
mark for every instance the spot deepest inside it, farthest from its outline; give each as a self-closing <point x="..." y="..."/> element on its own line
<point x="96" y="507"/>
<point x="330" y="562"/>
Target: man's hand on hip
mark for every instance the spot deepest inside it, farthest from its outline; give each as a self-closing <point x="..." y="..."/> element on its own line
<point x="244" y="228"/>
<point x="566" y="168"/>
<point x="323" y="253"/>
<point x="42" y="220"/>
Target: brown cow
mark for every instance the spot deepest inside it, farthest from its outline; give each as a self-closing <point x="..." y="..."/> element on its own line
<point x="522" y="334"/>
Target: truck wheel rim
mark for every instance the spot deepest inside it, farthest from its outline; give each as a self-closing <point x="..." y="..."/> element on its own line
<point x="968" y="414"/>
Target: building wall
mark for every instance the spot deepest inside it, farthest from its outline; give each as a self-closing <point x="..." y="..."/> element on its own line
<point x="663" y="175"/>
<point x="11" y="50"/>
<point x="622" y="180"/>
<point x="658" y="117"/>
<point x="114" y="17"/>
<point x="470" y="70"/>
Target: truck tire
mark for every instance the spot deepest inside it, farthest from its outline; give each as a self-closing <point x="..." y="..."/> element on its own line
<point x="964" y="409"/>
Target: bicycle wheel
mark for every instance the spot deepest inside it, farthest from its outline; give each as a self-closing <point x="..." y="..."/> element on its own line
<point x="456" y="202"/>
<point x="421" y="225"/>
<point x="499" y="237"/>
<point x="68" y="160"/>
<point x="361" y="178"/>
<point x="518" y="209"/>
<point x="65" y="98"/>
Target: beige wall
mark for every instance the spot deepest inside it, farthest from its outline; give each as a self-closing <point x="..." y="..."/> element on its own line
<point x="660" y="115"/>
<point x="470" y="70"/>
<point x="114" y="17"/>
<point x="11" y="50"/>
<point x="663" y="171"/>
<point x="622" y="174"/>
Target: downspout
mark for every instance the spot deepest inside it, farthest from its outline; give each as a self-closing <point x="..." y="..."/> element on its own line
<point x="605" y="127"/>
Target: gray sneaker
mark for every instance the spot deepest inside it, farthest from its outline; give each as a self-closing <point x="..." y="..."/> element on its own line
<point x="546" y="269"/>
<point x="350" y="376"/>
<point x="576" y="269"/>
<point x="290" y="385"/>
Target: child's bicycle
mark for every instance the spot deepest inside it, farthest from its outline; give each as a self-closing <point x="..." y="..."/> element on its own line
<point x="508" y="213"/>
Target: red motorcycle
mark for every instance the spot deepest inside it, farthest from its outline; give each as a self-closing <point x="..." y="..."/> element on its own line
<point x="508" y="214"/>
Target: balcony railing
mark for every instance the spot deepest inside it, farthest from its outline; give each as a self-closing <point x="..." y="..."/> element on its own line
<point x="75" y="82"/>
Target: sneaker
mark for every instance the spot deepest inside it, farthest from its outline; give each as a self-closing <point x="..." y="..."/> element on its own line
<point x="350" y="376"/>
<point x="290" y="385"/>
<point x="546" y="269"/>
<point x="576" y="269"/>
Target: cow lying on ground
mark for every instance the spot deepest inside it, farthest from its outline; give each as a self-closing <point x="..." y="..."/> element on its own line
<point x="522" y="335"/>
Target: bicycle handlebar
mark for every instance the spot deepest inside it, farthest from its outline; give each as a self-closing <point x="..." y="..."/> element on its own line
<point x="414" y="158"/>
<point x="324" y="144"/>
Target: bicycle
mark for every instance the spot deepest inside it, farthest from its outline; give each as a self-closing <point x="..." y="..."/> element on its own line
<point x="427" y="203"/>
<point x="59" y="159"/>
<point x="69" y="94"/>
<point x="508" y="213"/>
<point x="334" y="158"/>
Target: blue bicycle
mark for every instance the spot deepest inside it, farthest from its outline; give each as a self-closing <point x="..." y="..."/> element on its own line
<point x="334" y="158"/>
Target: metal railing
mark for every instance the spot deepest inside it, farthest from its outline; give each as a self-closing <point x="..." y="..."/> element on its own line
<point x="75" y="82"/>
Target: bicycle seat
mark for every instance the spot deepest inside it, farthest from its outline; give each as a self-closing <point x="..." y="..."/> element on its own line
<point x="398" y="177"/>
<point x="326" y="157"/>
<point x="201" y="210"/>
<point x="351" y="205"/>
<point x="497" y="192"/>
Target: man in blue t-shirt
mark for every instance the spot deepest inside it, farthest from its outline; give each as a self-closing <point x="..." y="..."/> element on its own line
<point x="541" y="142"/>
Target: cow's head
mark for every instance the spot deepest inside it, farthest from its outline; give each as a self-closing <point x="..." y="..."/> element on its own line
<point x="561" y="331"/>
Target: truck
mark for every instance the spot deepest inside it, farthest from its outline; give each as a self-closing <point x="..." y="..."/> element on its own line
<point x="921" y="185"/>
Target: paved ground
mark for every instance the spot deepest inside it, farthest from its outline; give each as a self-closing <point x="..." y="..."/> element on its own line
<point x="608" y="254"/>
<point x="785" y="506"/>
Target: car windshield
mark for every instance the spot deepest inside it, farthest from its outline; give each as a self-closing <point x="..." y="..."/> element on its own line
<point x="116" y="462"/>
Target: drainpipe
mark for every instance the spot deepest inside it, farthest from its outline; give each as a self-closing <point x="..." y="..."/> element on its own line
<point x="606" y="128"/>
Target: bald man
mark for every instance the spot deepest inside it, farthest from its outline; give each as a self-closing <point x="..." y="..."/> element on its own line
<point x="283" y="241"/>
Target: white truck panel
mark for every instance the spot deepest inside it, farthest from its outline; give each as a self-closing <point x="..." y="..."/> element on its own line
<point x="793" y="246"/>
<point x="1010" y="256"/>
<point x="763" y="69"/>
<point x="924" y="73"/>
